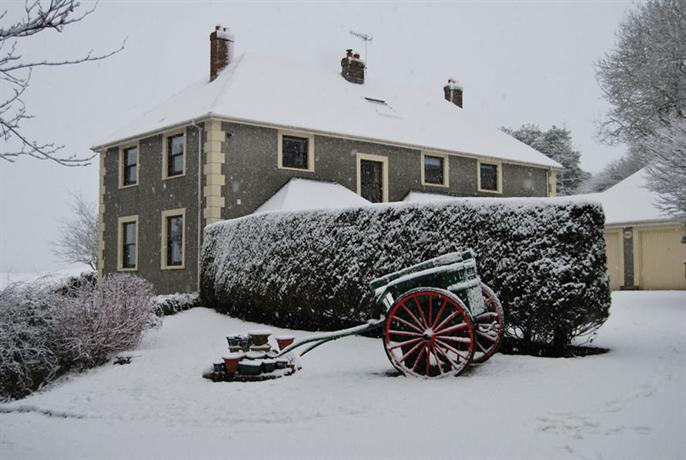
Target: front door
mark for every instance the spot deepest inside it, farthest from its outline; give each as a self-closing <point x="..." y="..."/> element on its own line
<point x="371" y="180"/>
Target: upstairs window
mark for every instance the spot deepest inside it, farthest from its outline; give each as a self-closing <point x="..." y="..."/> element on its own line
<point x="296" y="151"/>
<point x="435" y="170"/>
<point x="489" y="177"/>
<point x="129" y="166"/>
<point x="174" y="160"/>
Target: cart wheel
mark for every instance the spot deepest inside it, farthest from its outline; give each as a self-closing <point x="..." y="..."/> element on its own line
<point x="429" y="333"/>
<point x="489" y="326"/>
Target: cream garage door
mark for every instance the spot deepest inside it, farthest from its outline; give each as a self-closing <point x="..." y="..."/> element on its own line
<point x="662" y="258"/>
<point x="614" y="261"/>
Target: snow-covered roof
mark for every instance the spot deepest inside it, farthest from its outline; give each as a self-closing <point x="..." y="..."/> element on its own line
<point x="630" y="202"/>
<point x="425" y="197"/>
<point x="282" y="92"/>
<point x="304" y="194"/>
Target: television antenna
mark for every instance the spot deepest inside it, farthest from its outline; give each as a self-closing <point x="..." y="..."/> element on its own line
<point x="366" y="38"/>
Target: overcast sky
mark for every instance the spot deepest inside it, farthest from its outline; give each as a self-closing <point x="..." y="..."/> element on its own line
<point x="519" y="62"/>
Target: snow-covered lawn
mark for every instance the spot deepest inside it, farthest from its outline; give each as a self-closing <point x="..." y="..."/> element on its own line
<point x="346" y="402"/>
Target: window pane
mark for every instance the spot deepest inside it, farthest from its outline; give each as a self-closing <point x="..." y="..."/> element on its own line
<point x="433" y="170"/>
<point x="489" y="177"/>
<point x="294" y="152"/>
<point x="129" y="245"/>
<point x="175" y="164"/>
<point x="175" y="155"/>
<point x="174" y="240"/>
<point x="176" y="144"/>
<point x="131" y="156"/>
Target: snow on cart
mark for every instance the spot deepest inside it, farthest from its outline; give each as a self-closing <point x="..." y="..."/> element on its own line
<point x="439" y="318"/>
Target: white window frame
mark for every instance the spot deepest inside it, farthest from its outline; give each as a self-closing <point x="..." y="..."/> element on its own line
<point x="165" y="153"/>
<point x="446" y="168"/>
<point x="120" y="180"/>
<point x="384" y="175"/>
<point x="164" y="234"/>
<point x="499" y="180"/>
<point x="120" y="242"/>
<point x="310" y="150"/>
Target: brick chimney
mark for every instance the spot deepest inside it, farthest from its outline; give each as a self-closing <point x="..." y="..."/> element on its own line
<point x="453" y="92"/>
<point x="352" y="67"/>
<point x="221" y="50"/>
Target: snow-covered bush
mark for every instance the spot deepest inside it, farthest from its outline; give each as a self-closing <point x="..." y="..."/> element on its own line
<point x="545" y="258"/>
<point x="27" y="359"/>
<point x="47" y="330"/>
<point x="170" y="304"/>
<point x="96" y="320"/>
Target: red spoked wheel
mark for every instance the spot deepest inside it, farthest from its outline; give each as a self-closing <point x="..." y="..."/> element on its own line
<point x="489" y="326"/>
<point x="429" y="333"/>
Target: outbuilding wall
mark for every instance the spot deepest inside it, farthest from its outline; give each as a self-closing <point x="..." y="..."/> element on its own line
<point x="647" y="257"/>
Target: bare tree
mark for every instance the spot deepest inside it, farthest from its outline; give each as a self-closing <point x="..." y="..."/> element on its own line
<point x="667" y="168"/>
<point x="15" y="72"/>
<point x="79" y="235"/>
<point x="644" y="77"/>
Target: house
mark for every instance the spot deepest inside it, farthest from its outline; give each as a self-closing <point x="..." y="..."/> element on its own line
<point x="644" y="247"/>
<point x="225" y="145"/>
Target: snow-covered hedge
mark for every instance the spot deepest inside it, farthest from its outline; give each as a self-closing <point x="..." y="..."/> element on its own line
<point x="47" y="330"/>
<point x="545" y="258"/>
<point x="170" y="304"/>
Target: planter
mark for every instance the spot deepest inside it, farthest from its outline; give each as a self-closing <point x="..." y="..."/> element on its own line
<point x="250" y="367"/>
<point x="260" y="337"/>
<point x="232" y="361"/>
<point x="268" y="365"/>
<point x="255" y="355"/>
<point x="261" y="348"/>
<point x="238" y="342"/>
<point x="284" y="340"/>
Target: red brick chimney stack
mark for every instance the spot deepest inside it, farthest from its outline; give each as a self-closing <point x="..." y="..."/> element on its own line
<point x="221" y="50"/>
<point x="352" y="67"/>
<point x="453" y="92"/>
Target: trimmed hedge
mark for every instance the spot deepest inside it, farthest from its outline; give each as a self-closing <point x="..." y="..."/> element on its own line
<point x="545" y="258"/>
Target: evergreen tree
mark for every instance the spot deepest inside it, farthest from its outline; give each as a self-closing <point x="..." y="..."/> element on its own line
<point x="555" y="143"/>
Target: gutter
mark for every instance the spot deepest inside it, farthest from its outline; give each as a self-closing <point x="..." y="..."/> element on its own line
<point x="639" y="223"/>
<point x="243" y="121"/>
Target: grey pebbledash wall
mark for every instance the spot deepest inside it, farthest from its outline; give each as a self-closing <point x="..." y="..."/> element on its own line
<point x="148" y="199"/>
<point x="252" y="175"/>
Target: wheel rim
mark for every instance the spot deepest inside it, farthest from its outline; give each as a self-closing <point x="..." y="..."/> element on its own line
<point x="429" y="334"/>
<point x="488" y="326"/>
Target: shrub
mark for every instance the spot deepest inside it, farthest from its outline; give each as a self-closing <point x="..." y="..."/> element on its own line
<point x="171" y="304"/>
<point x="544" y="258"/>
<point x="46" y="331"/>
<point x="27" y="359"/>
<point x="96" y="320"/>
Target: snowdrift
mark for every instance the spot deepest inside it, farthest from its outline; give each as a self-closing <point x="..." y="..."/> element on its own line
<point x="545" y="258"/>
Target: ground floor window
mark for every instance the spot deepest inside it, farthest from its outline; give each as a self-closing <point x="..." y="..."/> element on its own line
<point x="434" y="170"/>
<point x="372" y="177"/>
<point x="489" y="177"/>
<point x="128" y="243"/>
<point x="173" y="238"/>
